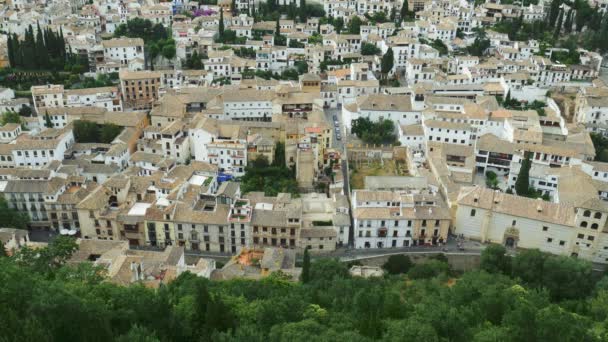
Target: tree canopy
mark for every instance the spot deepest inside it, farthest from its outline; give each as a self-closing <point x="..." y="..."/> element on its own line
<point x="379" y="133"/>
<point x="43" y="50"/>
<point x="12" y="218"/>
<point x="91" y="132"/>
<point x="156" y="37"/>
<point x="271" y="179"/>
<point x="45" y="298"/>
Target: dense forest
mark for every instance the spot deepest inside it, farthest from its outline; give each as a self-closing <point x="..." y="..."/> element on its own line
<point x="532" y="297"/>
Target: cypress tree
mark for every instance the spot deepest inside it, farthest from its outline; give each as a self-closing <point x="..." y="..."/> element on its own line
<point x="303" y="12"/>
<point x="29" y="49"/>
<point x="277" y="29"/>
<point x="9" y="47"/>
<point x="61" y="44"/>
<point x="558" y="25"/>
<point x="522" y="184"/>
<point x="404" y="10"/>
<point x="17" y="54"/>
<point x="42" y="53"/>
<point x="553" y="12"/>
<point x="386" y="65"/>
<point x="220" y="30"/>
<point x="305" y="276"/>
<point x="568" y="22"/>
<point x="47" y="121"/>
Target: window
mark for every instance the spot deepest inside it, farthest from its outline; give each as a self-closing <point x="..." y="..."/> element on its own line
<point x="473" y="212"/>
<point x="514" y="223"/>
<point x="545" y="228"/>
<point x="597" y="215"/>
<point x="562" y="242"/>
<point x="587" y="213"/>
<point x="594" y="226"/>
<point x="549" y="240"/>
<point x="584" y="224"/>
<point x="590" y="238"/>
<point x="580" y="236"/>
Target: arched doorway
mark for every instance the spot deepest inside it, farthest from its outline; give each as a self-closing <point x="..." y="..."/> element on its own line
<point x="510" y="242"/>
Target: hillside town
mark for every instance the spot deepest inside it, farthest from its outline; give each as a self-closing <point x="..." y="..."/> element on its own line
<point x="153" y="131"/>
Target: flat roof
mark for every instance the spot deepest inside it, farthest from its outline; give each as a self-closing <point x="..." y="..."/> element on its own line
<point x="139" y="209"/>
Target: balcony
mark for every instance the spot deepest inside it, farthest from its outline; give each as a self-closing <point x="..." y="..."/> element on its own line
<point x="382" y="232"/>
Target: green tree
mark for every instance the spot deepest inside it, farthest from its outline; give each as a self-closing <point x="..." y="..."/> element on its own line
<point x="412" y="329"/>
<point x="354" y="25"/>
<point x="378" y="133"/>
<point x="429" y="269"/>
<point x="10" y="117"/>
<point x="566" y="277"/>
<point x="556" y="324"/>
<point x="404" y="10"/>
<point x="218" y="316"/>
<point x="42" y="54"/>
<point x="494" y="259"/>
<point x="338" y="24"/>
<point x="108" y="132"/>
<point x="138" y="334"/>
<point x="168" y="51"/>
<point x="397" y="264"/>
<point x="12" y="218"/>
<point x="522" y="184"/>
<point x="368" y="306"/>
<point x="492" y="333"/>
<point x="369" y="49"/>
<point x="440" y="46"/>
<point x="47" y="121"/>
<point x="305" y="275"/>
<point x="303" y="11"/>
<point x="386" y="65"/>
<point x="528" y="265"/>
<point x="326" y="270"/>
<point x="279" y="155"/>
<point x="558" y="25"/>
<point x="220" y="30"/>
<point x="194" y="61"/>
<point x="86" y="131"/>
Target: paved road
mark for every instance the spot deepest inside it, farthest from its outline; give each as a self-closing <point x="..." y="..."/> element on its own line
<point x="329" y="116"/>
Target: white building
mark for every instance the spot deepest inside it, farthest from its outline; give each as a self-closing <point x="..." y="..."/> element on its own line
<point x="377" y="107"/>
<point x="565" y="228"/>
<point x="123" y="50"/>
<point x="385" y="219"/>
<point x="248" y="105"/>
<point x="40" y="150"/>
